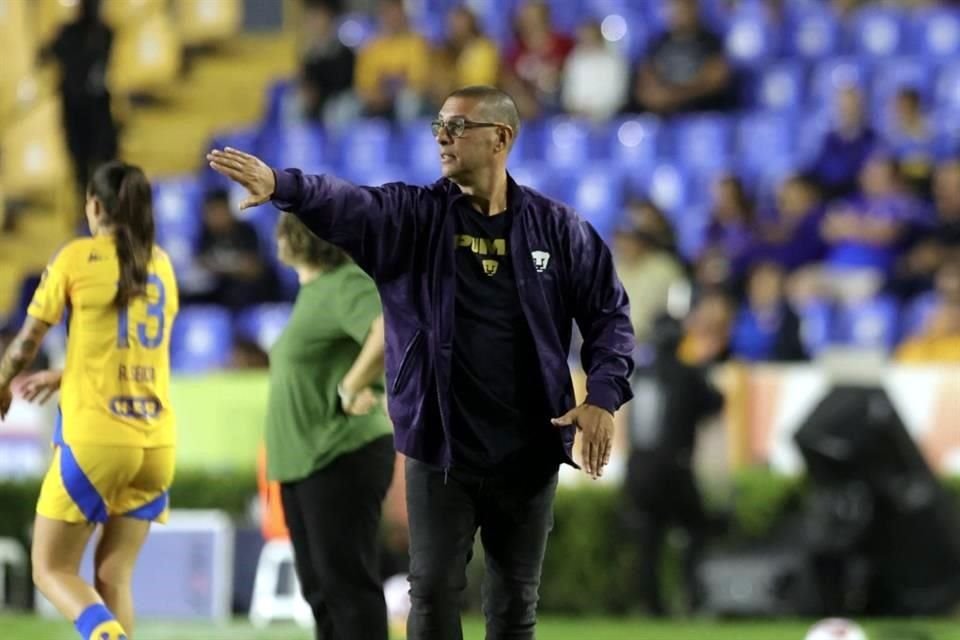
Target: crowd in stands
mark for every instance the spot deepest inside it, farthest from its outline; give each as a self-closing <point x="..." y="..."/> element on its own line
<point x="786" y="173"/>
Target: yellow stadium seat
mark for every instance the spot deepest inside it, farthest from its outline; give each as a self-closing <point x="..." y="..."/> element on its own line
<point x="16" y="59"/>
<point x="120" y="14"/>
<point x="33" y="153"/>
<point x="207" y="21"/>
<point x="146" y="56"/>
<point x="49" y="16"/>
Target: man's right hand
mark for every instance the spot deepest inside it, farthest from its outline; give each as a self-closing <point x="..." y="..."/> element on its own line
<point x="248" y="171"/>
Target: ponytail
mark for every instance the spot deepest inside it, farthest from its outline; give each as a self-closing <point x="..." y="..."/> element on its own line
<point x="125" y="194"/>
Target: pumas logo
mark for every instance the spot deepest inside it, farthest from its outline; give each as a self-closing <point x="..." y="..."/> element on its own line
<point x="540" y="260"/>
<point x="490" y="267"/>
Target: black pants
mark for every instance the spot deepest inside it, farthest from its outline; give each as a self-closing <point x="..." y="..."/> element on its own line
<point x="514" y="513"/>
<point x="334" y="519"/>
<point x="666" y="497"/>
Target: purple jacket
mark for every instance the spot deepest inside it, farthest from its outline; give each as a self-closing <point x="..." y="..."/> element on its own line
<point x="403" y="236"/>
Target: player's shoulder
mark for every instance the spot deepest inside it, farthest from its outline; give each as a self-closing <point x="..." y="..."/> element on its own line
<point x="74" y="252"/>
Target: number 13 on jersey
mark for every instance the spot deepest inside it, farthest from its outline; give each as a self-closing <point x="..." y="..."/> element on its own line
<point x="147" y="338"/>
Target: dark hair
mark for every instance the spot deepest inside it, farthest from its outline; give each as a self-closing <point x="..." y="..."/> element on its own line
<point x="305" y="246"/>
<point x="218" y="196"/>
<point x="124" y="193"/>
<point x="496" y="105"/>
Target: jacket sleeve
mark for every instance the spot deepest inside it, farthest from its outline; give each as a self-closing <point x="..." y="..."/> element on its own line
<point x="376" y="226"/>
<point x="602" y="312"/>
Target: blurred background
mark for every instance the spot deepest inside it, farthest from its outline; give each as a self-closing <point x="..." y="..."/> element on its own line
<point x="779" y="182"/>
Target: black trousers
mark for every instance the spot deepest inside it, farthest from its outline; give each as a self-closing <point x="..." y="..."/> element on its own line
<point x="334" y="520"/>
<point x="666" y="496"/>
<point x="514" y="513"/>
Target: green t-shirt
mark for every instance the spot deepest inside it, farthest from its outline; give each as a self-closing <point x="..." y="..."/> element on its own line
<point x="306" y="429"/>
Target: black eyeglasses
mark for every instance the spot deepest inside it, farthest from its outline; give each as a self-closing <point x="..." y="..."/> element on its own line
<point x="457" y="125"/>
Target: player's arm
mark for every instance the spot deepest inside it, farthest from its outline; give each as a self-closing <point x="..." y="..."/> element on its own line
<point x="18" y="357"/>
<point x="374" y="225"/>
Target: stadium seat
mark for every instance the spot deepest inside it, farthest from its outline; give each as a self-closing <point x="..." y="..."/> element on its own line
<point x="621" y="24"/>
<point x="263" y="324"/>
<point x="666" y="185"/>
<point x="832" y="74"/>
<point x="418" y="150"/>
<point x="812" y="32"/>
<point x="201" y="22"/>
<point x="750" y="38"/>
<point x="935" y="32"/>
<point x="18" y="53"/>
<point x="877" y="31"/>
<point x="635" y="142"/>
<point x="598" y="196"/>
<point x="872" y="324"/>
<point x="566" y="143"/>
<point x="121" y="14"/>
<point x="243" y="139"/>
<point x="202" y="339"/>
<point x="530" y="143"/>
<point x="364" y="145"/>
<point x="691" y="224"/>
<point x="49" y="16"/>
<point x="177" y="212"/>
<point x="355" y="29"/>
<point x="812" y="129"/>
<point x="702" y="142"/>
<point x="817" y="331"/>
<point x="777" y="86"/>
<point x="280" y="104"/>
<point x="765" y="139"/>
<point x="948" y="87"/>
<point x="918" y="312"/>
<point x="431" y="25"/>
<point x="893" y="75"/>
<point x="34" y="157"/>
<point x="298" y="145"/>
<point x="146" y="56"/>
<point x="533" y="175"/>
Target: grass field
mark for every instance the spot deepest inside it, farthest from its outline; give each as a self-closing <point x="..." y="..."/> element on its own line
<point x="30" y="628"/>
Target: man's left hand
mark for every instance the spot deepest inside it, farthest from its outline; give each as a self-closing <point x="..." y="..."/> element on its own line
<point x="596" y="425"/>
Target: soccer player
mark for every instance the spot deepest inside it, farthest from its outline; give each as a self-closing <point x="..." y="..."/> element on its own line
<point x="481" y="280"/>
<point x="114" y="438"/>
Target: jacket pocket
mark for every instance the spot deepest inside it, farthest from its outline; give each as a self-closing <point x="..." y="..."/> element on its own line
<point x="406" y="362"/>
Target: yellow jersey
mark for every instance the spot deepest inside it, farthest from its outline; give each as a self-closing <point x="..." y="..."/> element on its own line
<point x="116" y="381"/>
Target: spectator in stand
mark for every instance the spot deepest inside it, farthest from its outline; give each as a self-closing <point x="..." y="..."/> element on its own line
<point x="595" y="76"/>
<point x="533" y="71"/>
<point x="912" y="140"/>
<point x="708" y="329"/>
<point x="685" y="69"/>
<point x="82" y="52"/>
<point x="846" y="147"/>
<point x="766" y="327"/>
<point x="230" y="251"/>
<point x="942" y="241"/>
<point x="730" y="236"/>
<point x="392" y="70"/>
<point x="939" y="340"/>
<point x="326" y="66"/>
<point x="466" y="57"/>
<point x="865" y="234"/>
<point x="792" y="237"/>
<point x="647" y="265"/>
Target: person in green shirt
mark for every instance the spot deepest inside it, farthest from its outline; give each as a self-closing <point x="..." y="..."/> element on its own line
<point x="328" y="441"/>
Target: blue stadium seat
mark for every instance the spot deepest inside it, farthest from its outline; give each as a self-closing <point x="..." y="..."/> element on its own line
<point x="833" y="74"/>
<point x="750" y="38"/>
<point x="263" y="324"/>
<point x="872" y="324"/>
<point x="948" y="87"/>
<point x="295" y="145"/>
<point x="201" y="340"/>
<point x="877" y="31"/>
<point x="946" y="124"/>
<point x="419" y="150"/>
<point x="778" y="86"/>
<point x="635" y="142"/>
<point x="621" y="23"/>
<point x="280" y="104"/>
<point x="532" y="174"/>
<point x="935" y="33"/>
<point x="817" y="326"/>
<point x="355" y="29"/>
<point x="765" y="139"/>
<point x="918" y="312"/>
<point x="691" y="224"/>
<point x="566" y="143"/>
<point x="812" y="32"/>
<point x="702" y="142"/>
<point x="598" y="196"/>
<point x="177" y="204"/>
<point x="364" y="145"/>
<point x="813" y="128"/>
<point x="432" y="25"/>
<point x="893" y="75"/>
<point x="530" y="143"/>
<point x="666" y="185"/>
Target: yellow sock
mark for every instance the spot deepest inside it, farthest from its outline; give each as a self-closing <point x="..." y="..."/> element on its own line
<point x="109" y="630"/>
